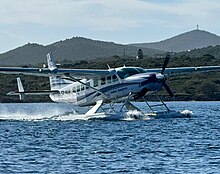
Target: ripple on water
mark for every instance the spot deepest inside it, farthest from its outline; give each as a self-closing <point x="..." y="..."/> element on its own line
<point x="181" y="145"/>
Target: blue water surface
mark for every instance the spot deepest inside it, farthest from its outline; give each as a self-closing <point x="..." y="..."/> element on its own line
<point x="173" y="145"/>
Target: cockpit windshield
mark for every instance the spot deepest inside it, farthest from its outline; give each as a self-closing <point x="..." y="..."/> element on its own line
<point x="128" y="71"/>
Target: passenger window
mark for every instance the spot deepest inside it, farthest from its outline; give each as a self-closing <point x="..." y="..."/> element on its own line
<point x="67" y="92"/>
<point x="74" y="89"/>
<point x="95" y="82"/>
<point x="109" y="79"/>
<point x="114" y="78"/>
<point x="82" y="87"/>
<point x="78" y="88"/>
<point x="87" y="85"/>
<point x="103" y="81"/>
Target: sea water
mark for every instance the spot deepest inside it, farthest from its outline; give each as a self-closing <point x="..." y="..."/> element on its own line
<point x="31" y="142"/>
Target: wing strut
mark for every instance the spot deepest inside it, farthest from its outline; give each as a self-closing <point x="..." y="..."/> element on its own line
<point x="20" y="89"/>
<point x="95" y="108"/>
<point x="77" y="80"/>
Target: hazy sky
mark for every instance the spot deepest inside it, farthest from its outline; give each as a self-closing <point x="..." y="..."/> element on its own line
<point x="120" y="21"/>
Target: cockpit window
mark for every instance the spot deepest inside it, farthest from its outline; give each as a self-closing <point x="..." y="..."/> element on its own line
<point x="141" y="70"/>
<point x="126" y="72"/>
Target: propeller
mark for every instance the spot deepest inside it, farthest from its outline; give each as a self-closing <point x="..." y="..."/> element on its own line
<point x="165" y="63"/>
<point x="167" y="88"/>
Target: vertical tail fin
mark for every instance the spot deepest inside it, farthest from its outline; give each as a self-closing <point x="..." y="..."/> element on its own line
<point x="56" y="82"/>
<point x="50" y="62"/>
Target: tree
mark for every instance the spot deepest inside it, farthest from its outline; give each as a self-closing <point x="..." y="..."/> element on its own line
<point x="140" y="54"/>
<point x="208" y="88"/>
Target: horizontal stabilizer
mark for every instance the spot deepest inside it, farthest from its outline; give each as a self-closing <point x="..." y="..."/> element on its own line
<point x="46" y="92"/>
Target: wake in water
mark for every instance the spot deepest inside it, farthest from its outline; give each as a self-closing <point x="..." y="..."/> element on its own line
<point x="63" y="112"/>
<point x="33" y="111"/>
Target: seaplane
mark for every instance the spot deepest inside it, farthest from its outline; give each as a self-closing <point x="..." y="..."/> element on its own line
<point x="98" y="88"/>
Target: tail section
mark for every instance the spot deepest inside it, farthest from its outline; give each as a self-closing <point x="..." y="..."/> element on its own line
<point x="51" y="64"/>
<point x="56" y="82"/>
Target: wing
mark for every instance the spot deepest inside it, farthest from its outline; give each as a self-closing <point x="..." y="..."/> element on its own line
<point x="46" y="72"/>
<point x="90" y="73"/>
<point x="185" y="70"/>
<point x="53" y="70"/>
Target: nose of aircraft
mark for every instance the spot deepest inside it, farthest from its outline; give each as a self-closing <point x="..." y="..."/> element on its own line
<point x="154" y="78"/>
<point x="161" y="78"/>
<point x="149" y="79"/>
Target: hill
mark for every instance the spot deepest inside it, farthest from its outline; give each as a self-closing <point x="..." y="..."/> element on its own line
<point x="77" y="48"/>
<point x="183" y="42"/>
<point x="210" y="51"/>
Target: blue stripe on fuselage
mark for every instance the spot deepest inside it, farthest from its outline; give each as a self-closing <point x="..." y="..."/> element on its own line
<point x="104" y="90"/>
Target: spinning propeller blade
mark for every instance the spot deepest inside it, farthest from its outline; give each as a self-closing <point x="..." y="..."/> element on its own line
<point x="168" y="90"/>
<point x="165" y="63"/>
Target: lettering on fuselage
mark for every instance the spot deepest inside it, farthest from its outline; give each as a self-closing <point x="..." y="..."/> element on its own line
<point x="122" y="89"/>
<point x="119" y="90"/>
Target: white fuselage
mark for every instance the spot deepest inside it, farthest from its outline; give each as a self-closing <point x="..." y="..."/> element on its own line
<point x="109" y="88"/>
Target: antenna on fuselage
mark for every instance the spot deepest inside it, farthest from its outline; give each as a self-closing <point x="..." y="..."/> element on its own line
<point x="108" y="66"/>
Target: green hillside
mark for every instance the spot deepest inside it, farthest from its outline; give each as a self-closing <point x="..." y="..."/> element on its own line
<point x="203" y="86"/>
<point x="74" y="49"/>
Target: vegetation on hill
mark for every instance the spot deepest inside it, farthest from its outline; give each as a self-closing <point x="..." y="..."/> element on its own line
<point x="79" y="48"/>
<point x="74" y="49"/>
<point x="210" y="52"/>
<point x="199" y="86"/>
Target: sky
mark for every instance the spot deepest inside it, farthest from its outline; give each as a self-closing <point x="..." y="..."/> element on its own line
<point x="120" y="21"/>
